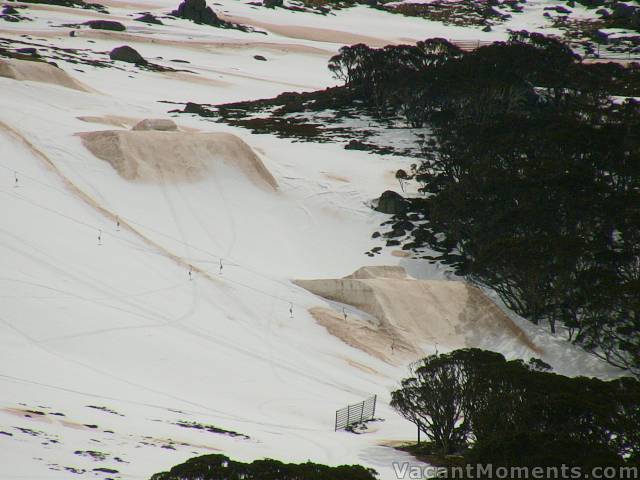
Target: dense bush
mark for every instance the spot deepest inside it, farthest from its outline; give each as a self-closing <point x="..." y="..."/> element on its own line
<point x="531" y="176"/>
<point x="219" y="467"/>
<point x="510" y="413"/>
<point x="459" y="12"/>
<point x="616" y="14"/>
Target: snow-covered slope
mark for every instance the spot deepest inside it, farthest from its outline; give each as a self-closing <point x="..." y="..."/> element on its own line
<point x="133" y="310"/>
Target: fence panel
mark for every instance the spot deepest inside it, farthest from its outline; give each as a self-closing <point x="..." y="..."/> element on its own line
<point x="356" y="413"/>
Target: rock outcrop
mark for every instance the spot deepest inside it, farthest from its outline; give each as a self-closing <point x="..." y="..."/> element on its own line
<point x="127" y="54"/>
<point x="149" y="18"/>
<point x="106" y="25"/>
<point x="392" y="203"/>
<point x="197" y="11"/>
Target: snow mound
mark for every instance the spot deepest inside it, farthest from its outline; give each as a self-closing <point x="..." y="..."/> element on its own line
<point x="379" y="271"/>
<point x="119" y="121"/>
<point x="25" y="70"/>
<point x="154" y="156"/>
<point x="132" y="123"/>
<point x="160" y="124"/>
<point x="403" y="315"/>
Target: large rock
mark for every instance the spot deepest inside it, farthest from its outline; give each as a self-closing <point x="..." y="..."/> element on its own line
<point x="10" y="14"/>
<point x="624" y="11"/>
<point x="601" y="37"/>
<point x="197" y="11"/>
<point x="272" y="3"/>
<point x="149" y="18"/>
<point x="106" y="25"/>
<point x="392" y="203"/>
<point x="127" y="54"/>
<point x="28" y="51"/>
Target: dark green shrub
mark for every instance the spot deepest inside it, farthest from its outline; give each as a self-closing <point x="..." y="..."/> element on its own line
<point x="220" y="467"/>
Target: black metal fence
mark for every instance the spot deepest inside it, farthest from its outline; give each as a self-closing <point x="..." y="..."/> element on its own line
<point x="629" y="55"/>
<point x="469" y="45"/>
<point x="357" y="413"/>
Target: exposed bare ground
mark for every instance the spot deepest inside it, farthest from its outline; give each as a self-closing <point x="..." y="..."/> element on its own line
<point x="81" y="12"/>
<point x="129" y="4"/>
<point x="197" y="44"/>
<point x="337" y="178"/>
<point x="362" y="335"/>
<point x="312" y="33"/>
<point x="196" y="79"/>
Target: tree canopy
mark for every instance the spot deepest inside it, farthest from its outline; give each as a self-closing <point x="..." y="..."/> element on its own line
<point x="530" y="176"/>
<point x="513" y="413"/>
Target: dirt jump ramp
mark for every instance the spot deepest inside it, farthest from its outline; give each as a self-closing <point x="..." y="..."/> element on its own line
<point x="404" y="316"/>
<point x="163" y="155"/>
<point x="25" y="70"/>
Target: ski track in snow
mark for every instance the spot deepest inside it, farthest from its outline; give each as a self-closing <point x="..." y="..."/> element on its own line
<point x="122" y="326"/>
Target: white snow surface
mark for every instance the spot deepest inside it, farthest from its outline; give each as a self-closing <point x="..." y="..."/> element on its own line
<point x="117" y="323"/>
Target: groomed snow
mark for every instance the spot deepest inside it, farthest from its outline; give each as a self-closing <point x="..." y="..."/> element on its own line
<point x="98" y="307"/>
